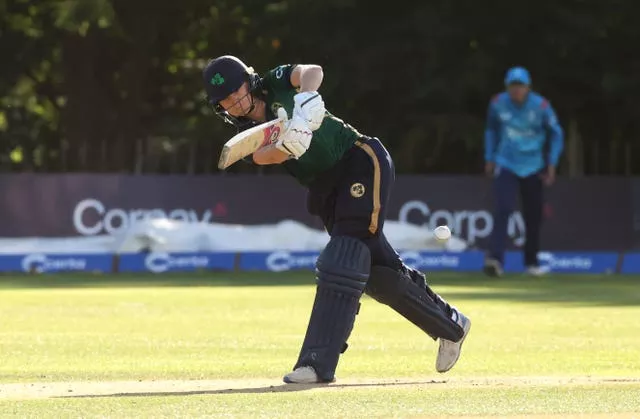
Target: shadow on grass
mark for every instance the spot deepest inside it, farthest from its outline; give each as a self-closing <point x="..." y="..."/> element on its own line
<point x="283" y="388"/>
<point x="124" y="280"/>
<point x="570" y="289"/>
<point x="606" y="290"/>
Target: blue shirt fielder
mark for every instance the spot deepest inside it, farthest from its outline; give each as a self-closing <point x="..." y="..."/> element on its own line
<point x="519" y="123"/>
<point x="523" y="144"/>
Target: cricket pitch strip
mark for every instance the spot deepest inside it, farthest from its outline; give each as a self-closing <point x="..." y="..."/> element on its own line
<point x="142" y="388"/>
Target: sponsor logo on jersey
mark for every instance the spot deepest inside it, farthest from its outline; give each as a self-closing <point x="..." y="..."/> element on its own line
<point x="275" y="106"/>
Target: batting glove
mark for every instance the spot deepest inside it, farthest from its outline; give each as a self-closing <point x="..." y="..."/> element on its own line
<point x="296" y="138"/>
<point x="309" y="106"/>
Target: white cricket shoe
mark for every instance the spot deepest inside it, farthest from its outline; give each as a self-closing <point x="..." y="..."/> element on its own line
<point x="538" y="270"/>
<point x="449" y="352"/>
<point x="302" y="375"/>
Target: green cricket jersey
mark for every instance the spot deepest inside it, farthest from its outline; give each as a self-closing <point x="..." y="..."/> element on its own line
<point x="329" y="142"/>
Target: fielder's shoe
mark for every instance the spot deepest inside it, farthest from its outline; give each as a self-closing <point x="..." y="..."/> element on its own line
<point x="302" y="375"/>
<point x="492" y="267"/>
<point x="449" y="352"/>
<point x="538" y="270"/>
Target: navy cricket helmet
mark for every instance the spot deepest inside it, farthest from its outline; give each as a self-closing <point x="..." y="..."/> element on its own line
<point x="223" y="76"/>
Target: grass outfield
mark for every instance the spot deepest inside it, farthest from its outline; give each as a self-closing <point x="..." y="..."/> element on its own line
<point x="218" y="344"/>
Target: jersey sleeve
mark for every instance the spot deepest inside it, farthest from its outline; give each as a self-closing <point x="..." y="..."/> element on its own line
<point x="555" y="131"/>
<point x="279" y="78"/>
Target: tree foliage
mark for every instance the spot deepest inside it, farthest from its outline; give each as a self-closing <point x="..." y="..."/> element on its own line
<point x="114" y="85"/>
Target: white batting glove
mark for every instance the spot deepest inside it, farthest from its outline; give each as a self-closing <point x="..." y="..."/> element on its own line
<point x="296" y="138"/>
<point x="310" y="107"/>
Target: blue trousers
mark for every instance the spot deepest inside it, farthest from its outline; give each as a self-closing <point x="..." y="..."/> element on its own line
<point x="506" y="186"/>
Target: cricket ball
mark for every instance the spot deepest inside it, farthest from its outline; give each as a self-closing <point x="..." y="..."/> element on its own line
<point x="442" y="233"/>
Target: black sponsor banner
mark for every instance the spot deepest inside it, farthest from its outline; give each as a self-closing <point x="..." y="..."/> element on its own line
<point x="579" y="214"/>
<point x="635" y="224"/>
<point x="68" y="205"/>
<point x="589" y="213"/>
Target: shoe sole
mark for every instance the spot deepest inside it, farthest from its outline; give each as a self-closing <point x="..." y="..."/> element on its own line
<point x="287" y="380"/>
<point x="467" y="329"/>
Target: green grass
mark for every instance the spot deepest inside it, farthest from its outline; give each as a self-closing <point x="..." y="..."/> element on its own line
<point x="376" y="402"/>
<point x="249" y="327"/>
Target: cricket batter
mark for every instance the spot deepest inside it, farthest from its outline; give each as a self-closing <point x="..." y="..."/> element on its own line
<point x="519" y="123"/>
<point x="349" y="177"/>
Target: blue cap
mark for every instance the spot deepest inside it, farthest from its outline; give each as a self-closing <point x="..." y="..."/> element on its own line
<point x="517" y="75"/>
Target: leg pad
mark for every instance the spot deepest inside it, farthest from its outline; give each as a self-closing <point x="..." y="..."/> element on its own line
<point x="406" y="292"/>
<point x="342" y="271"/>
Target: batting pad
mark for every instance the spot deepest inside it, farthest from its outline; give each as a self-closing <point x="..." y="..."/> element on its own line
<point x="342" y="271"/>
<point x="413" y="302"/>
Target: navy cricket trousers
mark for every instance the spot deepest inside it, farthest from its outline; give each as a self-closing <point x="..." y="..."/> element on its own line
<point x="506" y="187"/>
<point x="351" y="199"/>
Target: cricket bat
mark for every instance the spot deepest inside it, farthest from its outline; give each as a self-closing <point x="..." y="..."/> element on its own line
<point x="247" y="142"/>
